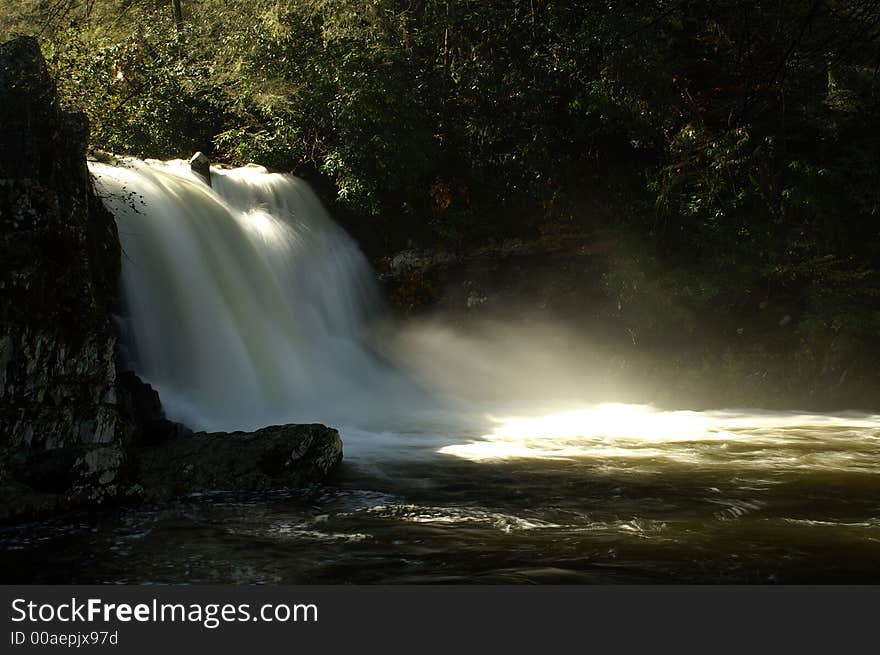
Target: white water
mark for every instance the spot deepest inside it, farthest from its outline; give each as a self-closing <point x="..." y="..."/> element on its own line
<point x="247" y="306"/>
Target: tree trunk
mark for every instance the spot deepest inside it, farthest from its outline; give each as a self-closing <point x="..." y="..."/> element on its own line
<point x="177" y="12"/>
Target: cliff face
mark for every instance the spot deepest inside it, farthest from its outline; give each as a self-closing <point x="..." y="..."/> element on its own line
<point x="59" y="263"/>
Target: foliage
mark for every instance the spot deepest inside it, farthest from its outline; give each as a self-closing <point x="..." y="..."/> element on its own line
<point x="141" y="97"/>
<point x="734" y="145"/>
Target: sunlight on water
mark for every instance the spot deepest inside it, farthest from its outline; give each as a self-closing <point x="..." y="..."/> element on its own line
<point x="266" y="226"/>
<point x="614" y="431"/>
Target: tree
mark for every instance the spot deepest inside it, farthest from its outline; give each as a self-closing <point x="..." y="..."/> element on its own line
<point x="177" y="14"/>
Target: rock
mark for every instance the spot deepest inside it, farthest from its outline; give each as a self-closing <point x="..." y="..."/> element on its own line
<point x="100" y="476"/>
<point x="59" y="270"/>
<point x="142" y="410"/>
<point x="51" y="481"/>
<point x="280" y="456"/>
<point x="200" y="164"/>
<point x="20" y="502"/>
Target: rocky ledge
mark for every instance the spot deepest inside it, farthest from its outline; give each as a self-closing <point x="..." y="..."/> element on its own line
<point x="279" y="456"/>
<point x="161" y="460"/>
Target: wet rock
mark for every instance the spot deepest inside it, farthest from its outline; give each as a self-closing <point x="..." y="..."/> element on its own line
<point x="280" y="456"/>
<point x="20" y="502"/>
<point x="45" y="482"/>
<point x="201" y="165"/>
<point x="101" y="475"/>
<point x="142" y="410"/>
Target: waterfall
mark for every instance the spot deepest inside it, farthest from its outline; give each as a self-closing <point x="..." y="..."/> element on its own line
<point x="245" y="304"/>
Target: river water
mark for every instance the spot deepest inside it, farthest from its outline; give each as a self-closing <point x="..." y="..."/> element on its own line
<point x="467" y="460"/>
<point x="777" y="501"/>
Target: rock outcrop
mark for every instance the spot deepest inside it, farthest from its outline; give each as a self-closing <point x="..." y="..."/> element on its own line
<point x="59" y="257"/>
<point x="73" y="430"/>
<point x="274" y="457"/>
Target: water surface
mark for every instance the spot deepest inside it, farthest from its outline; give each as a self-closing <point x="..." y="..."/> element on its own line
<point x="731" y="498"/>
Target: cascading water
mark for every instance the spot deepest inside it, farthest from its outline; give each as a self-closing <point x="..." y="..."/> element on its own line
<point x="245" y="304"/>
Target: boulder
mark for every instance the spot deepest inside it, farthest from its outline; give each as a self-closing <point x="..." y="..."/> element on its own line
<point x="275" y="457"/>
<point x="201" y="165"/>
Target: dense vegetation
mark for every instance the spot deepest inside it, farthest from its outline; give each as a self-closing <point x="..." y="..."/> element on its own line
<point x="731" y="149"/>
